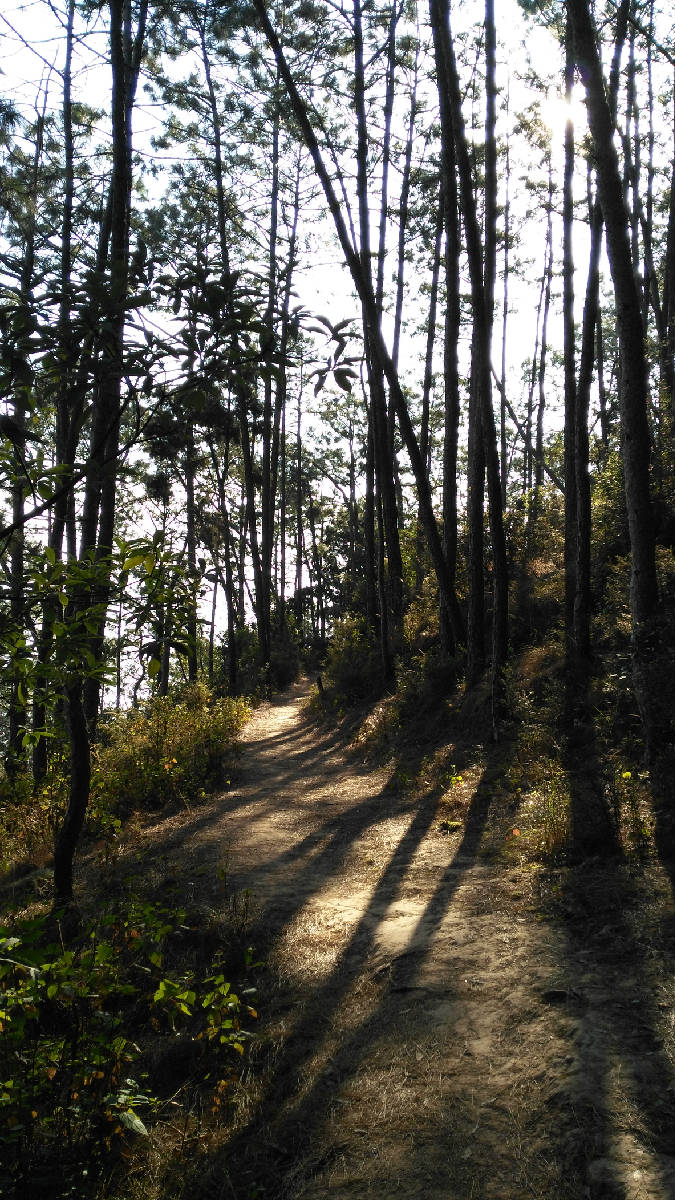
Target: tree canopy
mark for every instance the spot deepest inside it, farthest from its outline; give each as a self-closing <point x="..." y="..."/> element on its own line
<point x="320" y="313"/>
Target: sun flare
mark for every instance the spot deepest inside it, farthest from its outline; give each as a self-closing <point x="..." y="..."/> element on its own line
<point x="556" y="111"/>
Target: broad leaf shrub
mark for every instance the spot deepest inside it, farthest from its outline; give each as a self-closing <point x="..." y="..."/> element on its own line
<point x="169" y="751"/>
<point x="76" y="1028"/>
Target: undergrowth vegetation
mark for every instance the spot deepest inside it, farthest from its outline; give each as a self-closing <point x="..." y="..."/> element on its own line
<point x="172" y="750"/>
<point x="92" y="1043"/>
<point x="110" y="1027"/>
<point x="553" y="755"/>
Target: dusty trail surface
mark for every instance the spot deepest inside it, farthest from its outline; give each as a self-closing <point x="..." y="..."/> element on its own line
<point x="429" y="1028"/>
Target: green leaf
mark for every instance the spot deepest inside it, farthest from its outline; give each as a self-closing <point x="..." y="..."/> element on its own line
<point x="154" y="667"/>
<point x="132" y="1122"/>
<point x="134" y="560"/>
<point x="343" y="378"/>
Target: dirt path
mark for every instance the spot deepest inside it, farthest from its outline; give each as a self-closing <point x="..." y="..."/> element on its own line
<point x="428" y="1029"/>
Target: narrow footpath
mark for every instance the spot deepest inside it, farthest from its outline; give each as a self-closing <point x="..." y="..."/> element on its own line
<point x="428" y="1030"/>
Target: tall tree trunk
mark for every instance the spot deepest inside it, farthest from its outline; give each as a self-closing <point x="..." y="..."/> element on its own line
<point x="279" y="432"/>
<point x="241" y="382"/>
<point x="475" y="505"/>
<point x="97" y="527"/>
<point x="450" y="211"/>
<point x="98" y="516"/>
<point x="451" y="406"/>
<point x="633" y="396"/>
<point x="369" y="534"/>
<point x="17" y="708"/>
<point x="269" y="425"/>
<point x="382" y="442"/>
<point x="299" y="547"/>
<point x="191" y="551"/>
<point x="482" y="291"/>
<point x="505" y="309"/>
<point x="582" y="598"/>
<point x="543" y="352"/>
<point x="667" y="342"/>
<point x="427" y="384"/>
<point x="363" y="285"/>
<point x="570" y="379"/>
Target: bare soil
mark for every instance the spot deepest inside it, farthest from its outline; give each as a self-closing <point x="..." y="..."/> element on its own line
<point x="437" y="1021"/>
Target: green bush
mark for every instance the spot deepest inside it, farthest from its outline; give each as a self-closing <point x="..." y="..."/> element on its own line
<point x="173" y="750"/>
<point x="28" y="820"/>
<point x="75" y="1028"/>
<point x="352" y="662"/>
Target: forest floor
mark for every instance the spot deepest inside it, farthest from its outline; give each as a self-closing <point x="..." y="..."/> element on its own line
<point x="441" y="1017"/>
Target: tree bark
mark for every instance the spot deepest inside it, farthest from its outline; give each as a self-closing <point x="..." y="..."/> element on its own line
<point x="367" y="298"/>
<point x="97" y="527"/>
<point x="569" y="360"/>
<point x="633" y="396"/>
<point x="482" y="289"/>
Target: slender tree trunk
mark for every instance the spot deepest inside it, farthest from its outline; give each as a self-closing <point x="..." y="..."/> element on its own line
<point x="582" y="599"/>
<point x="425" y="439"/>
<point x="97" y="528"/>
<point x="282" y="519"/>
<point x="269" y="440"/>
<point x="191" y="548"/>
<point x="242" y="386"/>
<point x="382" y="442"/>
<point x="482" y="293"/>
<point x="318" y="568"/>
<point x="569" y="359"/>
<point x="364" y="288"/>
<point x="68" y="835"/>
<point x="165" y="659"/>
<point x="543" y="351"/>
<point x="232" y="656"/>
<point x="667" y="343"/>
<point x="279" y="433"/>
<point x="63" y="441"/>
<point x="18" y="706"/>
<point x="369" y="533"/>
<point x="98" y="516"/>
<point x="633" y="396"/>
<point x="475" y="505"/>
<point x="505" y="310"/>
<point x="299" y="605"/>
<point x="451" y="407"/>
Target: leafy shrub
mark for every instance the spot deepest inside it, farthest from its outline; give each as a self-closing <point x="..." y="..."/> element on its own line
<point x="74" y="1090"/>
<point x="352" y="663"/>
<point x="27" y="821"/>
<point x="171" y="750"/>
<point x="424" y="682"/>
<point x="420" y="623"/>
